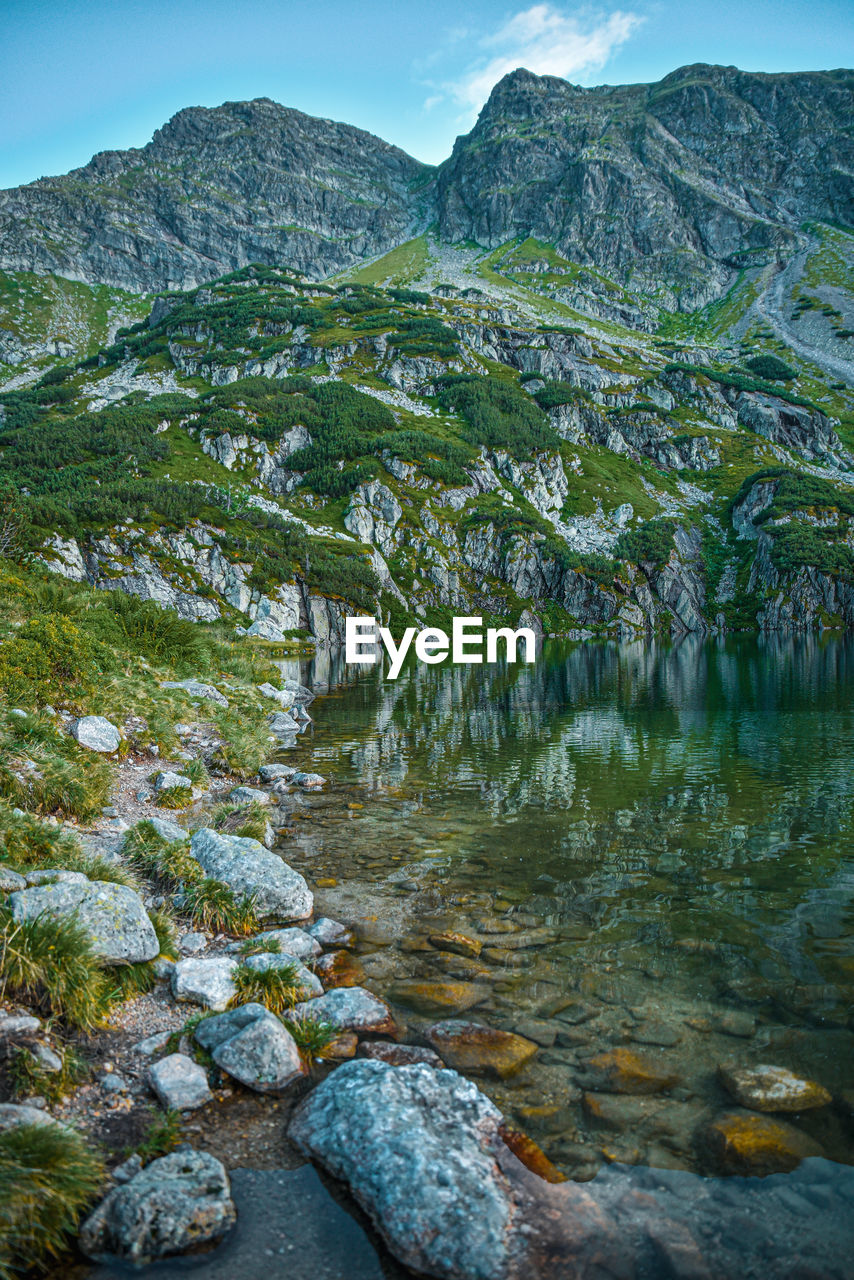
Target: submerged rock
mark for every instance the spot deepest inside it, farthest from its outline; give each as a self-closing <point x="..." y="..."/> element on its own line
<point x="254" y="1047"/>
<point x="176" y="1203"/>
<point x="111" y="915"/>
<point x="459" y="943"/>
<point x="340" y="969"/>
<point x="422" y="1152"/>
<point x="180" y="1083"/>
<point x="767" y="1088"/>
<point x="248" y="868"/>
<point x="96" y="733"/>
<point x="438" y="997"/>
<point x="755" y="1145"/>
<point x="329" y="933"/>
<point x="398" y="1055"/>
<point x="624" y="1071"/>
<point x="479" y="1050"/>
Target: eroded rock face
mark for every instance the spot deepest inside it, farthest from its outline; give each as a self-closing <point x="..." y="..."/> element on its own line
<point x="248" y="868"/>
<point x="173" y="1204"/>
<point x="111" y="915"/>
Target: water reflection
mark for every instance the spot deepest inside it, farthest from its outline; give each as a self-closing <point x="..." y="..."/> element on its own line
<point x="678" y="818"/>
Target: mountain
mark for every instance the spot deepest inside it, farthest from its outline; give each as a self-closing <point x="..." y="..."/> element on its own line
<point x="666" y="188"/>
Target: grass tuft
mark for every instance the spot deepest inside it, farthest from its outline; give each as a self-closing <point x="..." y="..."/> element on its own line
<point x="28" y="1076"/>
<point x="312" y="1036"/>
<point x="175" y="798"/>
<point x="51" y="963"/>
<point x="277" y="989"/>
<point x="217" y="909"/>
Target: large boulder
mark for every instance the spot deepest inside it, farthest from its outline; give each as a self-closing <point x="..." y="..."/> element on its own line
<point x="176" y="1203"/>
<point x="253" y="1046"/>
<point x="112" y="916"/>
<point x="247" y="867"/>
<point x="96" y="733"/>
<point x="206" y="980"/>
<point x="422" y="1152"/>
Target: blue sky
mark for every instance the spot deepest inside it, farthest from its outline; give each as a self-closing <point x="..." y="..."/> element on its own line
<point x="80" y="76"/>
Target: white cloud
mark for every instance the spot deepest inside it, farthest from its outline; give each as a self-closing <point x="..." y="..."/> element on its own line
<point x="544" y="40"/>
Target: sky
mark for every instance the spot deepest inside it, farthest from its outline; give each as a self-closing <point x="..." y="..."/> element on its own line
<point x="81" y="76"/>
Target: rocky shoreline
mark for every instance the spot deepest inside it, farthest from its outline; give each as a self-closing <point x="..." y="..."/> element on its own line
<point x="286" y="1056"/>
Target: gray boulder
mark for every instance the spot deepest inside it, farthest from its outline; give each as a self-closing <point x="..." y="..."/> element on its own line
<point x="253" y="1046"/>
<point x="300" y="692"/>
<point x="329" y="933"/>
<point x="180" y="1083"/>
<point x="248" y="795"/>
<point x="264" y="629"/>
<point x="111" y="915"/>
<point x="12" y="1115"/>
<point x="309" y="984"/>
<point x="350" y="1009"/>
<point x="196" y="689"/>
<point x="208" y="982"/>
<point x="295" y="942"/>
<point x="97" y="734"/>
<point x="423" y="1153"/>
<point x="284" y="698"/>
<point x="247" y="867"/>
<point x="168" y="830"/>
<point x="168" y="780"/>
<point x="176" y="1203"/>
<point x="10" y="881"/>
<point x="308" y="781"/>
<point x="283" y="725"/>
<point x="276" y="772"/>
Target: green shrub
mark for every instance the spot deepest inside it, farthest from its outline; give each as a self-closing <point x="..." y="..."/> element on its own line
<point x="497" y="414"/>
<point x="174" y="798"/>
<point x="49" y="1176"/>
<point x="771" y="368"/>
<point x="650" y="543"/>
<point x="48" y="660"/>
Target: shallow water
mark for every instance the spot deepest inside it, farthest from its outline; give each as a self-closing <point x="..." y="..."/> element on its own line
<point x="675" y="824"/>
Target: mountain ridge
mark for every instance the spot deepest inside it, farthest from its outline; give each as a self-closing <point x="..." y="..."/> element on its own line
<point x="669" y="187"/>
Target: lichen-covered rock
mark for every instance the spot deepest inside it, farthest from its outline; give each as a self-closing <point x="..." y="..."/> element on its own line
<point x="624" y="1071"/>
<point x="479" y="1050"/>
<point x="96" y="733"/>
<point x="426" y="996"/>
<point x="248" y="795"/>
<point x="248" y="868"/>
<point x="174" y="1204"/>
<point x="254" y="1047"/>
<point x="111" y="915"/>
<point x="197" y="689"/>
<point x="340" y="969"/>
<point x="169" y="780"/>
<point x="307" y="983"/>
<point x="754" y="1145"/>
<point x="180" y="1083"/>
<point x="767" y="1088"/>
<point x="351" y="1009"/>
<point x="208" y="981"/>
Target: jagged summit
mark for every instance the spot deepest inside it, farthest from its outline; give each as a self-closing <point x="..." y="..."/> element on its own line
<point x="668" y="188"/>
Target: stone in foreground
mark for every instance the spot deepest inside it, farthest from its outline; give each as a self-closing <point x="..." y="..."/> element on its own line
<point x="248" y="868"/>
<point x="180" y="1083"/>
<point x="351" y="1009"/>
<point x="174" y="1204"/>
<point x="13" y="1114"/>
<point x="766" y="1088"/>
<point x="479" y="1050"/>
<point x="208" y="982"/>
<point x="253" y="1046"/>
<point x="422" y="1153"/>
<point x="111" y="915"/>
<point x="96" y="733"/>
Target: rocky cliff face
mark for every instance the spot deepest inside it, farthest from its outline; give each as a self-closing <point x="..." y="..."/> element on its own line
<point x="667" y="187"/>
<point x="213" y="190"/>
<point x="676" y="181"/>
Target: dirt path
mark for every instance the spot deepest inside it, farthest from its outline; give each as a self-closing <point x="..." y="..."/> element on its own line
<point x="770" y="306"/>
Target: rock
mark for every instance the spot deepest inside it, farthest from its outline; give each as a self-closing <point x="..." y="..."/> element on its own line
<point x="254" y="1047"/>
<point x="196" y="689"/>
<point x="168" y="780"/>
<point x="167" y="829"/>
<point x="111" y="915"/>
<point x="340" y="969"/>
<point x="300" y="692"/>
<point x="459" y="943"/>
<point x="658" y="1033"/>
<point x="12" y="1115"/>
<point x="208" y="982"/>
<point x="264" y="629"/>
<point x="351" y="1009"/>
<point x="17" y="1024"/>
<point x="283" y="726"/>
<point x="754" y="1145"/>
<point x="153" y="1044"/>
<point x="127" y="1169"/>
<point x="284" y="698"/>
<point x="248" y="868"/>
<point x="10" y="881"/>
<point x="46" y="1058"/>
<point x="422" y="1152"/>
<point x="52" y="876"/>
<point x="180" y="1083"/>
<point x="189" y="944"/>
<point x="624" y="1071"/>
<point x="276" y="772"/>
<point x="308" y="781"/>
<point x="479" y="1050"/>
<point x="398" y="1055"/>
<point x="248" y="795"/>
<point x="176" y="1203"/>
<point x="309" y="984"/>
<point x="542" y="1033"/>
<point x="97" y="734"/>
<point x="329" y="933"/>
<point x="293" y="942"/>
<point x="341" y="1048"/>
<point x="437" y="997"/>
<point x="766" y="1088"/>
